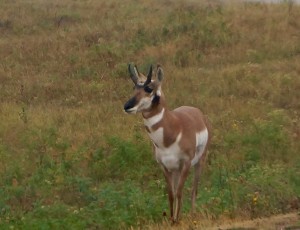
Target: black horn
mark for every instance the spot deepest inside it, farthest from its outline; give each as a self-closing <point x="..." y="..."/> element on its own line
<point x="133" y="72"/>
<point x="149" y="76"/>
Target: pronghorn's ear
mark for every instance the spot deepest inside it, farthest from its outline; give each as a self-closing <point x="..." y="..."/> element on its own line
<point x="159" y="73"/>
<point x="134" y="73"/>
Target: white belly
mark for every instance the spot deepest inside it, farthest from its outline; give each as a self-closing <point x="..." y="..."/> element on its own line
<point x="170" y="156"/>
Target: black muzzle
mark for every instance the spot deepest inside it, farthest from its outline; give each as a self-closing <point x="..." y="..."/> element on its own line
<point x="130" y="104"/>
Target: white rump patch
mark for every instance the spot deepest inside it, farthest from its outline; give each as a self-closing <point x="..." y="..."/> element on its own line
<point x="201" y="142"/>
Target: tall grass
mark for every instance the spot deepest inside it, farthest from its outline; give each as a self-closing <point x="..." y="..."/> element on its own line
<point x="69" y="156"/>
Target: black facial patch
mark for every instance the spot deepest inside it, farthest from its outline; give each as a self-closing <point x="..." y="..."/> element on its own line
<point x="155" y="100"/>
<point x="147" y="89"/>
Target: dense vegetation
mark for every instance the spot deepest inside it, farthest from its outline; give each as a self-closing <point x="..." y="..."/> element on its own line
<point x="70" y="158"/>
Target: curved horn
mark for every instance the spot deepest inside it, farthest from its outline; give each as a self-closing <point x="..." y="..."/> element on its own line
<point x="133" y="72"/>
<point x="149" y="76"/>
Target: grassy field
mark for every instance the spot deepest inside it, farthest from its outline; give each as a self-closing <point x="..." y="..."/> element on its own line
<point x="71" y="159"/>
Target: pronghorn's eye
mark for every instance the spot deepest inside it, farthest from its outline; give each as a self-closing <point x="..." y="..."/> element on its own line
<point x="148" y="89"/>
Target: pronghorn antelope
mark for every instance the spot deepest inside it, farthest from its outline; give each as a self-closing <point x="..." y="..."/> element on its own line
<point x="180" y="137"/>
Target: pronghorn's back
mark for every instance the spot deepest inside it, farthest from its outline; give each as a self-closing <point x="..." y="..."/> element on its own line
<point x="180" y="137"/>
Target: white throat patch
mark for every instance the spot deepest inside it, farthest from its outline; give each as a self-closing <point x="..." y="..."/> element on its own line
<point x="155" y="119"/>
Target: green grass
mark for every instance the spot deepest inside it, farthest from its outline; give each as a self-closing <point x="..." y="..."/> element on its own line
<point x="70" y="157"/>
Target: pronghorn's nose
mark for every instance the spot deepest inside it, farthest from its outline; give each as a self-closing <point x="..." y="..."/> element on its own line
<point x="129" y="104"/>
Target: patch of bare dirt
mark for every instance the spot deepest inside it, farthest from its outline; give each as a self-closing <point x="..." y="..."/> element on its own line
<point x="289" y="221"/>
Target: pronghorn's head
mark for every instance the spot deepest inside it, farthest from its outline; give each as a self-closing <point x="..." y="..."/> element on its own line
<point x="147" y="91"/>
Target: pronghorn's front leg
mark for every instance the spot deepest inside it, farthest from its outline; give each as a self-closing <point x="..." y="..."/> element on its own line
<point x="168" y="177"/>
<point x="178" y="197"/>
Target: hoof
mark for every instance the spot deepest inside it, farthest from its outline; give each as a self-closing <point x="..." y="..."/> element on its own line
<point x="174" y="222"/>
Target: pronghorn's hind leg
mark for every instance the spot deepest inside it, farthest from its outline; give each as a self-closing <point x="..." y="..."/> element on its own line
<point x="198" y="169"/>
<point x="195" y="185"/>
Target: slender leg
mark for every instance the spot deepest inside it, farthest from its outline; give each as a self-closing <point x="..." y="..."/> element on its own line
<point x="198" y="169"/>
<point x="178" y="201"/>
<point x="175" y="181"/>
<point x="168" y="177"/>
<point x="195" y="185"/>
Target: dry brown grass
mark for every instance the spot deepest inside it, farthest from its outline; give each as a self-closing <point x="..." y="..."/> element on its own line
<point x="278" y="222"/>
